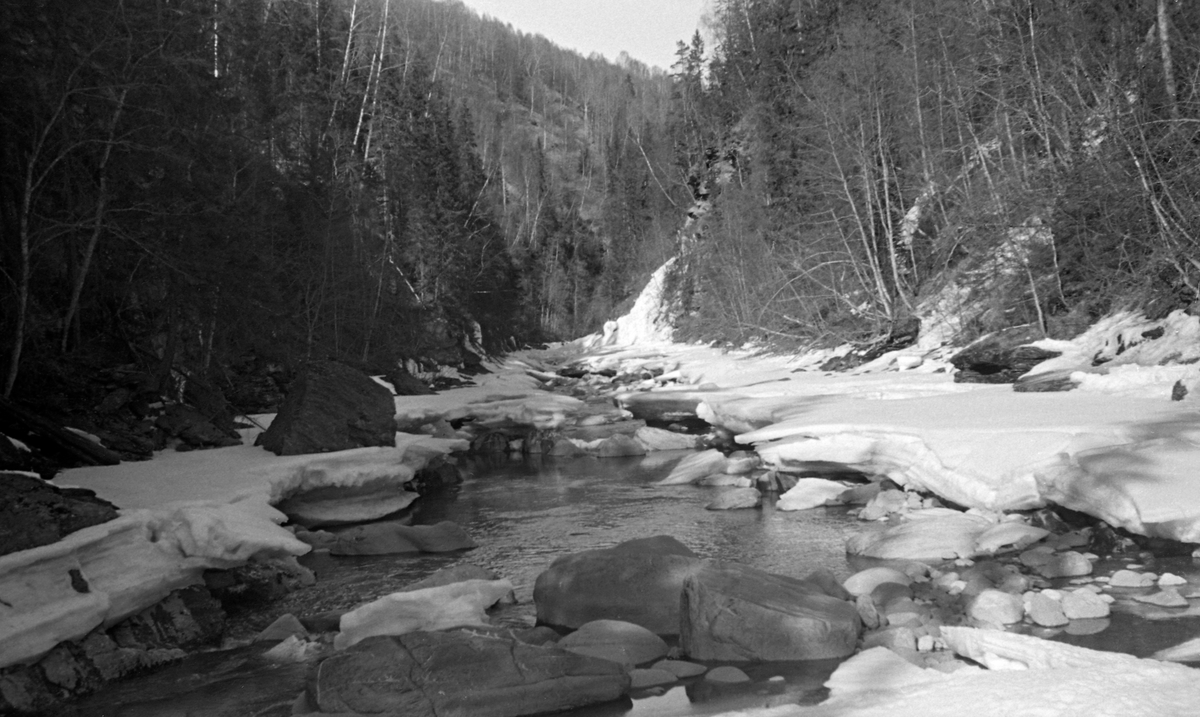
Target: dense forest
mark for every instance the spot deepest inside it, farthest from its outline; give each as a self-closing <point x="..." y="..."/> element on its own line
<point x="195" y="188"/>
<point x="1026" y="161"/>
<point x="200" y="189"/>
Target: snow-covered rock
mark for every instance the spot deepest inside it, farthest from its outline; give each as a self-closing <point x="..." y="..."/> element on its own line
<point x="810" y="493"/>
<point x="430" y="609"/>
<point x="124" y="566"/>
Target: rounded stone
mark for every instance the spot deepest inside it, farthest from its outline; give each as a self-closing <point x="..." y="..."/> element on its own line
<point x="615" y="640"/>
<point x="997" y="607"/>
<point x="726" y="675"/>
<point x="865" y="581"/>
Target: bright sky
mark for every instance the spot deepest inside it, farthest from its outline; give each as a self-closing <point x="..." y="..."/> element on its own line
<point x="646" y="29"/>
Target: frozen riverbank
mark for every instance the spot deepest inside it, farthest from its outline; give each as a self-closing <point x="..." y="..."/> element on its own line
<point x="1118" y="449"/>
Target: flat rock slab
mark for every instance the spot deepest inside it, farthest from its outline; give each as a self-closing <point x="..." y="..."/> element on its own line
<point x="637" y="581"/>
<point x="736" y="613"/>
<point x="427" y="674"/>
<point x="335" y="505"/>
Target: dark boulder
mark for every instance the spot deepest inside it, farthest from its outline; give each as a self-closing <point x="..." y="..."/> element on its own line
<point x="1002" y="357"/>
<point x="734" y="612"/>
<point x="34" y="512"/>
<point x="453" y="674"/>
<point x="637" y="581"/>
<point x="331" y="407"/>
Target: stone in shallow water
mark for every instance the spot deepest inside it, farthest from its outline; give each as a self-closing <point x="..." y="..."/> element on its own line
<point x="996" y="607"/>
<point x="726" y="674"/>
<point x="622" y="642"/>
<point x="1131" y="579"/>
<point x="1068" y="564"/>
<point x="638" y="581"/>
<point x="864" y="581"/>
<point x="1044" y="610"/>
<point x="734" y="612"/>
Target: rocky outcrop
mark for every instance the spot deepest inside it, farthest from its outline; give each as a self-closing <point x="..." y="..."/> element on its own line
<point x="453" y="674"/>
<point x="1002" y="357"/>
<point x="733" y="612"/>
<point x="331" y="407"/>
<point x="637" y="581"/>
<point x="188" y="618"/>
<point x="34" y="512"/>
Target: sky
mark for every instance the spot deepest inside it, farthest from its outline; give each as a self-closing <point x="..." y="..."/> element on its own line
<point x="646" y="29"/>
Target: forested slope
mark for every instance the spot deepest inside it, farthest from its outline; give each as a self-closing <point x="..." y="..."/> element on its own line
<point x="1013" y="161"/>
<point x="201" y="189"/>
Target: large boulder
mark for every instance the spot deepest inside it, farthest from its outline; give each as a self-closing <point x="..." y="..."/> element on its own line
<point x="453" y="674"/>
<point x="34" y="512"/>
<point x="331" y="407"/>
<point x="637" y="581"/>
<point x="737" y="613"/>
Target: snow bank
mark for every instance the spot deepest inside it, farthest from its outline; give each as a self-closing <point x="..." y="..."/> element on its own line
<point x="103" y="574"/>
<point x="182" y="513"/>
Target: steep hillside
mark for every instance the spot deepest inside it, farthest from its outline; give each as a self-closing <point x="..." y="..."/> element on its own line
<point x="995" y="164"/>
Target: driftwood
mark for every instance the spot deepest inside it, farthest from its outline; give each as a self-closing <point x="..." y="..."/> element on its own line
<point x="31" y="428"/>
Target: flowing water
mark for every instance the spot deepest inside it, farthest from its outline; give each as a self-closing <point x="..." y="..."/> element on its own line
<point x="524" y="514"/>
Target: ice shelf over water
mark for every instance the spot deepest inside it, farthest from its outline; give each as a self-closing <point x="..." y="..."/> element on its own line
<point x="181" y="513"/>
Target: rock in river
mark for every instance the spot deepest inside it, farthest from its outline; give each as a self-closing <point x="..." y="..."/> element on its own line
<point x="637" y="581"/>
<point x="737" y="613"/>
<point x="452" y="674"/>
